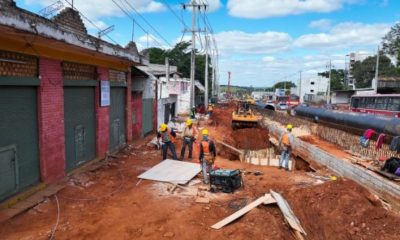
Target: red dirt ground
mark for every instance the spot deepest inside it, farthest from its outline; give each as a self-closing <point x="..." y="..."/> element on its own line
<point x="251" y="138"/>
<point x="113" y="205"/>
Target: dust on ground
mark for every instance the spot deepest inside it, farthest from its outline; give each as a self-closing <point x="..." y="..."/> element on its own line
<point x="111" y="203"/>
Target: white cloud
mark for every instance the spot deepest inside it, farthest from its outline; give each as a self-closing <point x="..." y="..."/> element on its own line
<point x="344" y="35"/>
<point x="322" y="24"/>
<point x="213" y="5"/>
<point x="232" y="42"/>
<point x="275" y="8"/>
<point x="268" y="59"/>
<point x="95" y="9"/>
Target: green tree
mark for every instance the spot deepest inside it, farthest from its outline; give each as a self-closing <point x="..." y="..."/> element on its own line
<point x="284" y="85"/>
<point x="364" y="71"/>
<point x="180" y="56"/>
<point x="391" y="43"/>
<point x="337" y="78"/>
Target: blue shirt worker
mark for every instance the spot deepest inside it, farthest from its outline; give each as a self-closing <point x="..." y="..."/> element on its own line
<point x="285" y="144"/>
<point x="207" y="155"/>
<point x="167" y="138"/>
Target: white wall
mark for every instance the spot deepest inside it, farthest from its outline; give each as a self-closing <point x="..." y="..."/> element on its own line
<point x="145" y="85"/>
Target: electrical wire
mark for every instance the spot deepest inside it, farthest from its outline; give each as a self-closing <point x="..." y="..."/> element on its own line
<point x="180" y="19"/>
<point x="145" y="20"/>
<point x="140" y="26"/>
<point x="91" y="22"/>
<point x="53" y="231"/>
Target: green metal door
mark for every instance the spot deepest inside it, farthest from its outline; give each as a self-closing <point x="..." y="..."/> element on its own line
<point x="19" y="148"/>
<point x="147" y="123"/>
<point x="80" y="125"/>
<point x="117" y="118"/>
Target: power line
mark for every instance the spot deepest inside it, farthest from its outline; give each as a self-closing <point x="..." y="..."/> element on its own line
<point x="180" y="19"/>
<point x="151" y="26"/>
<point x="91" y="22"/>
<point x="135" y="22"/>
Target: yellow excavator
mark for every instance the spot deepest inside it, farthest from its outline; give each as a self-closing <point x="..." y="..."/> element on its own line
<point x="243" y="116"/>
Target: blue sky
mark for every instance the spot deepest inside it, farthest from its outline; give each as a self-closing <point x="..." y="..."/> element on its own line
<point x="260" y="41"/>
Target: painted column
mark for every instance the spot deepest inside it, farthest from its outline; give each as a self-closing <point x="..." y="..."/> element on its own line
<point x="128" y="107"/>
<point x="51" y="120"/>
<point x="102" y="118"/>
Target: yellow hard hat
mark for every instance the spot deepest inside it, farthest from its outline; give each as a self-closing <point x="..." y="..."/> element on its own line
<point x="204" y="132"/>
<point x="163" y="127"/>
<point x="189" y="122"/>
<point x="289" y="127"/>
<point x="333" y="178"/>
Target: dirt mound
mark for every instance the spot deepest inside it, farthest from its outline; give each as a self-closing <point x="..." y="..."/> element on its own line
<point x="251" y="138"/>
<point x="342" y="210"/>
<point x="223" y="115"/>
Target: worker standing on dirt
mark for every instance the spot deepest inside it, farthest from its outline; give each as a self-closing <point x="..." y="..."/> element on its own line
<point x="167" y="138"/>
<point x="189" y="136"/>
<point x="285" y="144"/>
<point x="207" y="155"/>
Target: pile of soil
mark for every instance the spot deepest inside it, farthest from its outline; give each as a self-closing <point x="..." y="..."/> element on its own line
<point x="342" y="210"/>
<point x="251" y="138"/>
<point x="222" y="116"/>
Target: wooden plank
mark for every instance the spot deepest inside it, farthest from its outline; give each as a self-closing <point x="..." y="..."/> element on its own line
<point x="230" y="147"/>
<point x="288" y="213"/>
<point x="241" y="212"/>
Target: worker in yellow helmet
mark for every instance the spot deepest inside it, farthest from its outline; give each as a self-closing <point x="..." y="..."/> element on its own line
<point x="207" y="155"/>
<point x="189" y="136"/>
<point x="285" y="144"/>
<point x="168" y="139"/>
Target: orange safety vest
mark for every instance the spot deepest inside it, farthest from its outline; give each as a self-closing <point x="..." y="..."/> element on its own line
<point x="206" y="151"/>
<point x="285" y="140"/>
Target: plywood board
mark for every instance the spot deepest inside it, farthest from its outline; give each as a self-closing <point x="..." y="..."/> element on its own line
<point x="241" y="212"/>
<point x="287" y="212"/>
<point x="172" y="171"/>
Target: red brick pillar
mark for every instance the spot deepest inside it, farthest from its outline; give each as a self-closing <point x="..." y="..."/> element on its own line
<point x="128" y="107"/>
<point x="102" y="118"/>
<point x="51" y="120"/>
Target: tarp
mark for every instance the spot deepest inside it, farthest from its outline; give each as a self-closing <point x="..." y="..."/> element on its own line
<point x="172" y="171"/>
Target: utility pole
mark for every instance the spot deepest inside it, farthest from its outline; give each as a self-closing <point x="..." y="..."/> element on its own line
<point x="375" y="85"/>
<point x="195" y="6"/>
<point x="300" y="88"/>
<point x="213" y="76"/>
<point x="328" y="96"/>
<point x="206" y="74"/>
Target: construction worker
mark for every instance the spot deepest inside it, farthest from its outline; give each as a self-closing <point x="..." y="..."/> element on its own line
<point x="285" y="144"/>
<point x="207" y="155"/>
<point x="210" y="109"/>
<point x="189" y="136"/>
<point x="167" y="138"/>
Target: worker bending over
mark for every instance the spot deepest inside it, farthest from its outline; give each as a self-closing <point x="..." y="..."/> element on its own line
<point x="285" y="144"/>
<point x="207" y="155"/>
<point x="167" y="138"/>
<point x="189" y="136"/>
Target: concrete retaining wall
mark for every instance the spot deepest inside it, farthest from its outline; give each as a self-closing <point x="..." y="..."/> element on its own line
<point x="385" y="188"/>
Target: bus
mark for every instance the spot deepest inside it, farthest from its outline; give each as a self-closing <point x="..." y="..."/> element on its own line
<point x="385" y="104"/>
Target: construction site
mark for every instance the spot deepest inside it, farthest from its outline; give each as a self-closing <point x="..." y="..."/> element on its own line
<point x="107" y="200"/>
<point x="116" y="123"/>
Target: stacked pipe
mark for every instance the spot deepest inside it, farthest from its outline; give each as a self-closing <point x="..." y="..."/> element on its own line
<point x="382" y="124"/>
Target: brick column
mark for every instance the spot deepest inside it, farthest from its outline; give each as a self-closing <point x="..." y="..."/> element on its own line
<point x="128" y="108"/>
<point x="102" y="118"/>
<point x="51" y="120"/>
